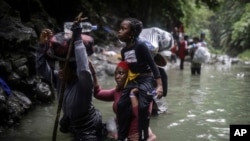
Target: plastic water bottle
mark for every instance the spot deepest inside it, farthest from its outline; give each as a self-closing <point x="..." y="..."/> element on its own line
<point x="86" y="27"/>
<point x="154" y="93"/>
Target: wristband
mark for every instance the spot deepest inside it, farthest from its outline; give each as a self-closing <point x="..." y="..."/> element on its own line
<point x="131" y="95"/>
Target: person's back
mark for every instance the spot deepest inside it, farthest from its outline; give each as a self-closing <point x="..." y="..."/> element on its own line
<point x="195" y="67"/>
<point x="203" y="43"/>
<point x="182" y="52"/>
<point x="182" y="49"/>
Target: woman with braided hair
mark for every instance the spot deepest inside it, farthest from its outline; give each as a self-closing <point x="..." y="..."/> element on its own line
<point x="143" y="75"/>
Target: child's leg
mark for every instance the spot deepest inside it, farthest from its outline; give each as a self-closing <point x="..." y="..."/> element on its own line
<point x="135" y="103"/>
<point x="133" y="98"/>
<point x="124" y="114"/>
<point x="151" y="135"/>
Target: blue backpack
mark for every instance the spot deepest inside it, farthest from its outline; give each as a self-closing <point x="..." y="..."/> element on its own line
<point x="5" y="87"/>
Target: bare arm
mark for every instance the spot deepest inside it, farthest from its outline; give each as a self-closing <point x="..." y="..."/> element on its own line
<point x="93" y="72"/>
<point x="159" y="89"/>
<point x="42" y="65"/>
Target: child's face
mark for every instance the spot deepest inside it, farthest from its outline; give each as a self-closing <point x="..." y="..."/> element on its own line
<point x="125" y="31"/>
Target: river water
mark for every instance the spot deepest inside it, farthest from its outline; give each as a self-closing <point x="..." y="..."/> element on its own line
<point x="200" y="108"/>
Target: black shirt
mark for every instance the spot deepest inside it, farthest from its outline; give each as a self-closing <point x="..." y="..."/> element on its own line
<point x="139" y="58"/>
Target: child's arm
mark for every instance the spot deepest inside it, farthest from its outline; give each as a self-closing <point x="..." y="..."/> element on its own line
<point x="146" y="54"/>
<point x="42" y="65"/>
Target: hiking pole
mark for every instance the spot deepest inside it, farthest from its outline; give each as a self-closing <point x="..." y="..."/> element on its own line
<point x="61" y="96"/>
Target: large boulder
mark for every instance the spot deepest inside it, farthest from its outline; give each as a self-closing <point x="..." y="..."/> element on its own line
<point x="18" y="38"/>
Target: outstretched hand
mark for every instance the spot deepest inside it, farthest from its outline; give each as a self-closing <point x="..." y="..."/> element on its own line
<point x="45" y="36"/>
<point x="77" y="31"/>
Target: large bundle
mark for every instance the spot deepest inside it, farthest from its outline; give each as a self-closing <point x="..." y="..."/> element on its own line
<point x="160" y="39"/>
<point x="201" y="55"/>
<point x="60" y="42"/>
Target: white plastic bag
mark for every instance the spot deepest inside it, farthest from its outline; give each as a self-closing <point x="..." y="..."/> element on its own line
<point x="201" y="55"/>
<point x="111" y="125"/>
<point x="159" y="38"/>
<point x="161" y="105"/>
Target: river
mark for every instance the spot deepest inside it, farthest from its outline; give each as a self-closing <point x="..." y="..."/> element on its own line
<point x="200" y="108"/>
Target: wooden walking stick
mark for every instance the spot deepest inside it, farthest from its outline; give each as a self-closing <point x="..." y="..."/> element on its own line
<point x="61" y="96"/>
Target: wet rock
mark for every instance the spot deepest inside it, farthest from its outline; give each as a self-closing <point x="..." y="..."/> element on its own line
<point x="5" y="68"/>
<point x="110" y="69"/>
<point x="15" y="110"/>
<point x="17" y="47"/>
<point x="12" y="107"/>
<point x="44" y="92"/>
<point x="24" y="101"/>
<point x="18" y="62"/>
<point x="2" y="101"/>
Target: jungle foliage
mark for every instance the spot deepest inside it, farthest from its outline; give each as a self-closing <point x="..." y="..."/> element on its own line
<point x="225" y="22"/>
<point x="228" y="26"/>
<point x="233" y="20"/>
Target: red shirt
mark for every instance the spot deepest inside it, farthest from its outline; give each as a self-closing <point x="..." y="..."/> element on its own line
<point x="114" y="95"/>
<point x="182" y="49"/>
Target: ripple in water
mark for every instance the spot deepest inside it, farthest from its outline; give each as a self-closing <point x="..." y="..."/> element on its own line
<point x="216" y="120"/>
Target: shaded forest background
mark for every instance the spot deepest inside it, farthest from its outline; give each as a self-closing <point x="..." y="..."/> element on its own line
<point x="226" y="23"/>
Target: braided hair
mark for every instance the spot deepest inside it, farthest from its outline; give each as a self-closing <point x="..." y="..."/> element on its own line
<point x="136" y="26"/>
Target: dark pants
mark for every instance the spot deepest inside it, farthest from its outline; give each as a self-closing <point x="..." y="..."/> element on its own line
<point x="195" y="71"/>
<point x="87" y="128"/>
<point x="195" y="68"/>
<point x="181" y="64"/>
<point x="124" y="113"/>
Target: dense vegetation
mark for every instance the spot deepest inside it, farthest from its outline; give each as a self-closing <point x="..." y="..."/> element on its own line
<point x="232" y="21"/>
<point x="226" y="23"/>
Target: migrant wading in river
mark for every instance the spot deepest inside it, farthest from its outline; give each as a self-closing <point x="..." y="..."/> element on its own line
<point x="146" y="78"/>
<point x="80" y="117"/>
<point x="78" y="18"/>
